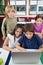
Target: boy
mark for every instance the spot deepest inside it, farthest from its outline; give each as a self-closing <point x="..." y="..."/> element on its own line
<point x="29" y="40"/>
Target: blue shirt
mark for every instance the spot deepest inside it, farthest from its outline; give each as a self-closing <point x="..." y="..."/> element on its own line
<point x="34" y="43"/>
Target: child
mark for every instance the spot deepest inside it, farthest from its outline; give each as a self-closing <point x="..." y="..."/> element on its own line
<point x="10" y="41"/>
<point x="9" y="22"/>
<point x="38" y="26"/>
<point x="29" y="40"/>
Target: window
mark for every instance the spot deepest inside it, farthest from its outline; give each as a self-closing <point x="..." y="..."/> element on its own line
<point x="20" y="6"/>
<point x="36" y="6"/>
<point x="33" y="6"/>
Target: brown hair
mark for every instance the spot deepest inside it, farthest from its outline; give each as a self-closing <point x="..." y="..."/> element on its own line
<point x="29" y="27"/>
<point x="9" y="8"/>
<point x="38" y="16"/>
<point x="16" y="27"/>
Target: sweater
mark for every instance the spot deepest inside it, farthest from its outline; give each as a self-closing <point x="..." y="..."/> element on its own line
<point x="8" y="25"/>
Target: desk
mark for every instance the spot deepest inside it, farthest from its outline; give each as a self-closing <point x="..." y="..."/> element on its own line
<point x="11" y="63"/>
<point x="4" y="55"/>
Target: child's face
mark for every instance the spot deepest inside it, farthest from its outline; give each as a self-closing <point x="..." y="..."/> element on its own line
<point x="10" y="14"/>
<point x="29" y="34"/>
<point x="39" y="21"/>
<point x="18" y="32"/>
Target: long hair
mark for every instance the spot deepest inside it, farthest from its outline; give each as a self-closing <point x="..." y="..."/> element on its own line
<point x="9" y="8"/>
<point x="16" y="27"/>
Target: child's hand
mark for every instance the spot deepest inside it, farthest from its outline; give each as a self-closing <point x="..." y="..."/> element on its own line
<point x="12" y="50"/>
<point x="39" y="50"/>
<point x="3" y="37"/>
<point x="40" y="35"/>
<point x="24" y="50"/>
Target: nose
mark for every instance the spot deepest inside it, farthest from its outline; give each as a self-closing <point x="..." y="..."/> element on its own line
<point x="18" y="33"/>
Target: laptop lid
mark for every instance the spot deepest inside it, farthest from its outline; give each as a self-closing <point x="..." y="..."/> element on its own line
<point x="30" y="57"/>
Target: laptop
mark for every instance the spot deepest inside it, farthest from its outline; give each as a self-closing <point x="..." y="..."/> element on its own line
<point x="29" y="57"/>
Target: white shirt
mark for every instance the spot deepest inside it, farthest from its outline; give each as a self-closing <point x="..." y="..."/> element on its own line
<point x="12" y="41"/>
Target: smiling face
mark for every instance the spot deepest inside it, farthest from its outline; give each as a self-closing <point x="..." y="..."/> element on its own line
<point x="10" y="13"/>
<point x="29" y="34"/>
<point x="39" y="21"/>
<point x="18" y="32"/>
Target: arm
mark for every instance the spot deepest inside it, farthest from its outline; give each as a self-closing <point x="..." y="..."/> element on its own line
<point x="3" y="28"/>
<point x="40" y="43"/>
<point x="42" y="31"/>
<point x="5" y="45"/>
<point x="19" y="47"/>
<point x="41" y="48"/>
<point x="39" y="34"/>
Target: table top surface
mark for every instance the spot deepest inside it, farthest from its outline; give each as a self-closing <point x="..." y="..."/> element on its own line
<point x="4" y="54"/>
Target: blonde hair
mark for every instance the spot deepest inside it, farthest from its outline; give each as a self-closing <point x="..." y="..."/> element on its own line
<point x="8" y="9"/>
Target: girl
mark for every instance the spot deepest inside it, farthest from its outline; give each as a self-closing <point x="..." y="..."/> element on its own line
<point x="9" y="22"/>
<point x="10" y="41"/>
<point x="38" y="26"/>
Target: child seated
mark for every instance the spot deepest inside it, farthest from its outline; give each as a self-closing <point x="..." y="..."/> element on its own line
<point x="11" y="39"/>
<point x="38" y="26"/>
<point x="29" y="40"/>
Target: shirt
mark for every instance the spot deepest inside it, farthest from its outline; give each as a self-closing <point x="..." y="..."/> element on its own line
<point x="12" y="41"/>
<point x="38" y="28"/>
<point x="34" y="43"/>
<point x="9" y="24"/>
